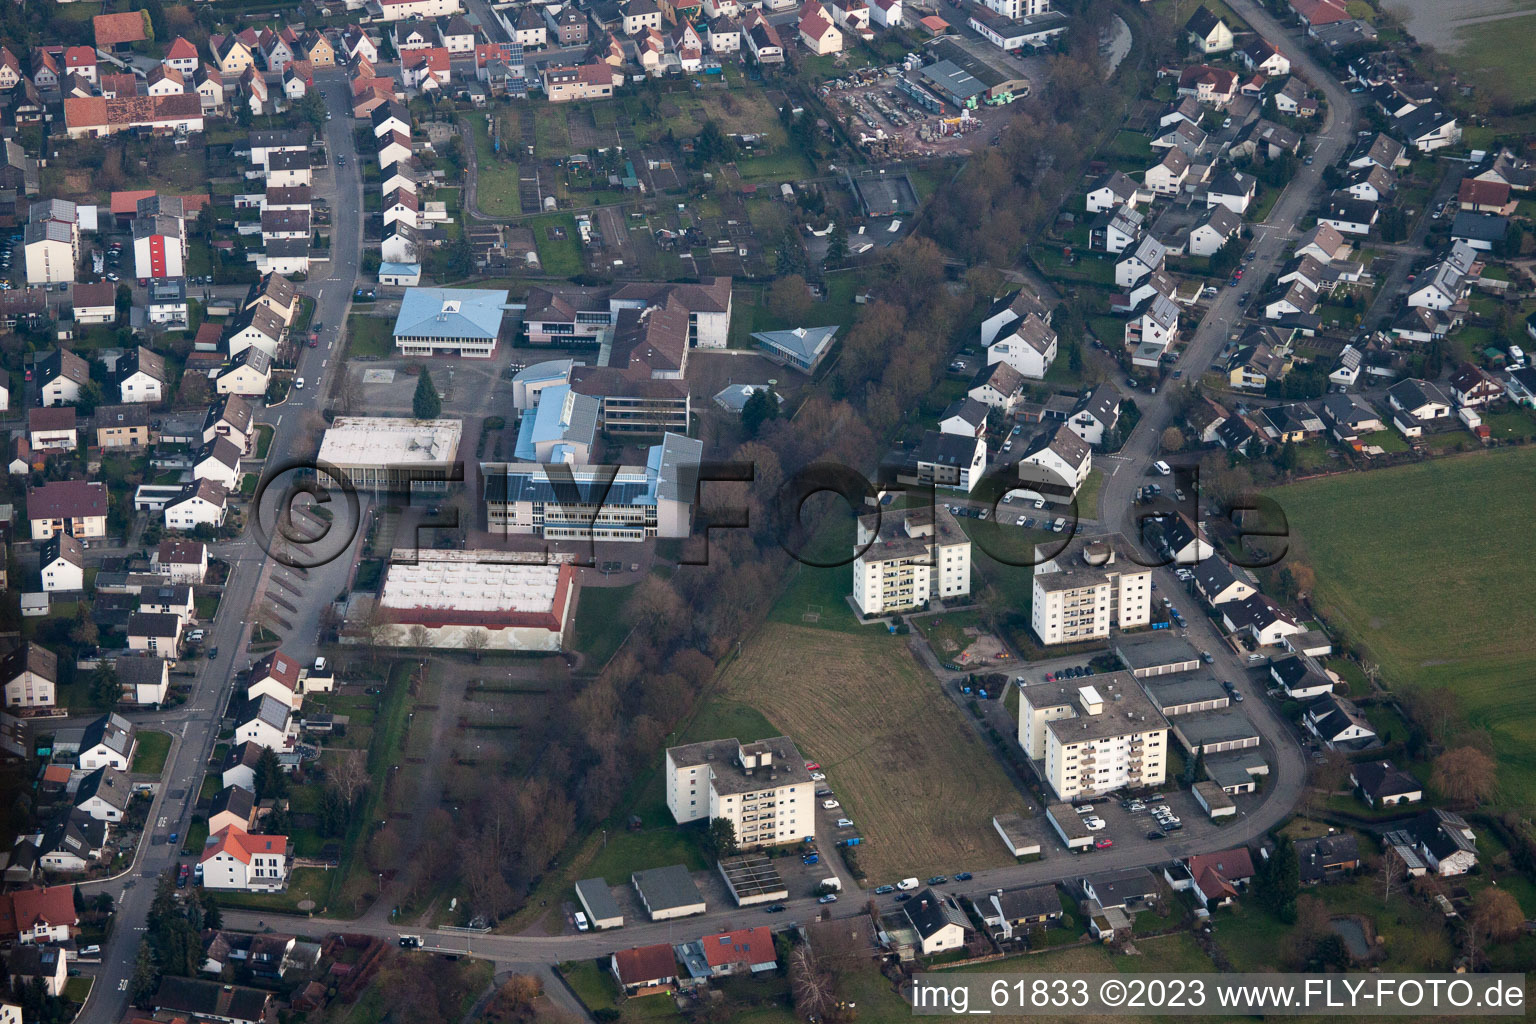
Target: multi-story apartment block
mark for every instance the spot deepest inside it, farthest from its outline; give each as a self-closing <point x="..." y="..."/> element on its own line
<point x="1016" y="10"/>
<point x="909" y="557"/>
<point x="1093" y="739"/>
<point x="763" y="789"/>
<point x="1090" y="586"/>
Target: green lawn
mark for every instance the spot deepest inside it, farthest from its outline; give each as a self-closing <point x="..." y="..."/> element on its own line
<point x="1432" y="587"/>
<point x="303" y="884"/>
<point x="560" y="257"/>
<point x="628" y="852"/>
<point x="149" y="757"/>
<point x="1497" y="53"/>
<point x="496" y="178"/>
<point x="601" y="623"/>
<point x="264" y="433"/>
<point x="369" y="336"/>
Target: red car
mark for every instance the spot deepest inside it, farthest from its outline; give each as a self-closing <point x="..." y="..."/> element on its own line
<point x="812" y="766"/>
<point x="1103" y="844"/>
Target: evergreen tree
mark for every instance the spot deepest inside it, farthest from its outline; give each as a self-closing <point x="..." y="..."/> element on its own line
<point x="426" y="405"/>
<point x="1194" y="768"/>
<point x="146" y="977"/>
<point x="761" y="407"/>
<point x="79" y="899"/>
<point x="720" y="840"/>
<point x="1278" y="881"/>
<point x="837" y="246"/>
<point x="270" y="781"/>
<point x="106" y="691"/>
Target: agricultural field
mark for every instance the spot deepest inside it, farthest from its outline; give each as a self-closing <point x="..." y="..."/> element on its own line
<point x="916" y="779"/>
<point x="1423" y="565"/>
<point x="1490" y="39"/>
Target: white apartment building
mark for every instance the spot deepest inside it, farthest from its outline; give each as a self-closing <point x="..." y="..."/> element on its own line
<point x="1090" y="586"/>
<point x="1095" y="738"/>
<point x="1016" y="10"/>
<point x="908" y="557"/>
<point x="762" y="788"/>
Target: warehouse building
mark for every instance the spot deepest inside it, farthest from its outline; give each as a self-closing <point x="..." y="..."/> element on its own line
<point x="457" y="599"/>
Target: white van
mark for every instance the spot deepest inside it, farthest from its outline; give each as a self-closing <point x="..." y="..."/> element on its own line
<point x="319" y="664"/>
<point x="1162" y="467"/>
<point x="1516" y="355"/>
<point x="908" y="884"/>
<point x="581" y="922"/>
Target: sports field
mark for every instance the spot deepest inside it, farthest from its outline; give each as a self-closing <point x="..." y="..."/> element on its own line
<point x="1430" y="566"/>
<point x="910" y="772"/>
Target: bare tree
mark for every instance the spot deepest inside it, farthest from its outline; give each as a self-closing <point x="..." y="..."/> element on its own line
<point x="1466" y="775"/>
<point x="1497" y="915"/>
<point x="812" y="987"/>
<point x="419" y="637"/>
<point x="476" y="642"/>
<point x="1393" y="871"/>
<point x="349" y="776"/>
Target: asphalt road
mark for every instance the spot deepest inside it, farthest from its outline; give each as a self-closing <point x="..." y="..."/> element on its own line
<point x="194" y="727"/>
<point x="534" y="953"/>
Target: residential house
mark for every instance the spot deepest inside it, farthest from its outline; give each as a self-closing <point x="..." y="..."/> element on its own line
<point x="1419" y="399"/>
<point x="1372" y="184"/>
<point x="156" y="632"/>
<point x="1428" y="127"/>
<point x="60" y="376"/>
<point x="1350" y="417"/>
<point x="1338" y="723"/>
<point x="1148" y="256"/>
<point x="1383" y="784"/>
<point x="565" y="83"/>
<point x="95" y="303"/>
<point x="275" y="675"/>
<point x="109" y="741"/>
<point x="239" y="765"/>
<point x="75" y="507"/>
<point x="194" y="999"/>
<point x="1115" y="231"/>
<point x="1013" y="913"/>
<point x="938" y="920"/>
<point x="145" y="680"/>
<point x="1294" y="100"/>
<point x="1213" y="231"/>
<point x="1348" y="215"/>
<point x="817" y="31"/>
<point x="1096" y="415"/>
<point x="1325" y="858"/>
<point x="201" y="503"/>
<point x="52" y="429"/>
<point x="1113" y="191"/>
<point x="945" y="460"/>
<point x="104" y="794"/>
<point x="1168" y="175"/>
<point x="249" y="374"/>
<point x="1472" y="387"/>
<point x="1029" y="348"/>
<point x="1492" y="197"/>
<point x="1299" y="677"/>
<point x="62" y="562"/>
<point x="30" y="674"/>
<point x="1151" y="332"/>
<point x="264" y="721"/>
<point x="1218" y="583"/>
<point x="1217" y="878"/>
<point x="39" y="916"/>
<point x="183" y="561"/>
<point x="1212" y="86"/>
<point x="1258" y="616"/>
<point x="1056" y="464"/>
<point x="1446" y="841"/>
<point x="1208" y="33"/>
<point x="1481" y="231"/>
<point x="645" y="970"/>
<point x="743" y="951"/>
<point x="122" y="426"/>
<point x="762" y="39"/>
<point x="233" y="806"/>
<point x="1381" y="151"/>
<point x="1261" y="55"/>
<point x="1346" y="372"/>
<point x="964" y="416"/>
<point x="640" y="16"/>
<point x="141" y="375"/>
<point x="998" y="386"/>
<point x="1323" y="243"/>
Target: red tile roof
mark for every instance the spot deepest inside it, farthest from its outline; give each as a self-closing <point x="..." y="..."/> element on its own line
<point x="278" y="666"/>
<point x="127" y="27"/>
<point x="1320" y="12"/>
<point x="243" y="846"/>
<point x="53" y="906"/>
<point x="749" y="946"/>
<point x="181" y="49"/>
<point x="645" y="963"/>
<point x="127" y="203"/>
<point x="79" y="57"/>
<point x="1483" y="193"/>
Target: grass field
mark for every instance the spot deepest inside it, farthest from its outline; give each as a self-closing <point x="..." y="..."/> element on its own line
<point x="149" y="756"/>
<point x="496" y="179"/>
<point x="906" y="768"/>
<point x="369" y="336"/>
<point x="1423" y="564"/>
<point x="601" y="624"/>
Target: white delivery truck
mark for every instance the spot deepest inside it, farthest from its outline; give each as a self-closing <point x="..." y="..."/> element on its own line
<point x="908" y="884"/>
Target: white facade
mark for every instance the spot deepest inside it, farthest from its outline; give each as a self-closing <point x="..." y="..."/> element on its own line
<point x="63" y="574"/>
<point x="237" y="861"/>
<point x="1094" y="739"/>
<point x="905" y="561"/>
<point x="398" y="10"/>
<point x="1085" y="590"/>
<point x="762" y="788"/>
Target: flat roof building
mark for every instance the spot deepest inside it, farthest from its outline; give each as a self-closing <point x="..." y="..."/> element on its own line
<point x="762" y="788"/>
<point x="1186" y="695"/>
<point x="461" y="597"/>
<point x="752" y="879"/>
<point x="377" y="453"/>
<point x="1158" y="653"/>
<point x="668" y="892"/>
<point x="597" y="900"/>
<point x="1093" y="739"/>
<point x="908" y="557"/>
<point x="1215" y="731"/>
<point x="1092" y="584"/>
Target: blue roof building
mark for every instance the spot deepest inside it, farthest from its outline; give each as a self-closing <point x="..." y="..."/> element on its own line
<point x="802" y="348"/>
<point x="561" y="428"/>
<point x="450" y="321"/>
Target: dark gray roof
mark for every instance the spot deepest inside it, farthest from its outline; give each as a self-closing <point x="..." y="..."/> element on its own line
<point x="109" y="784"/>
<point x="946" y="449"/>
<point x="930" y="911"/>
<point x="110" y="730"/>
<point x="1017" y="904"/>
<point x="968" y="409"/>
<point x="1479" y="227"/>
<point x="233" y="800"/>
<point x="667" y="888"/>
<point x="1115" y="888"/>
<point x="1379" y="779"/>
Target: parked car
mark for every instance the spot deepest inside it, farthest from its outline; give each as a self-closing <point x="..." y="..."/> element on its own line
<point x="812" y="766"/>
<point x="1157" y="834"/>
<point x="1103" y="843"/>
<point x="818" y="776"/>
<point x="777" y="908"/>
<point x="830" y="897"/>
<point x="884" y="889"/>
<point x="830" y="805"/>
<point x="902" y="897"/>
<point x="845" y="823"/>
<point x="938" y="880"/>
<point x="1094" y="824"/>
<point x="963" y="876"/>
